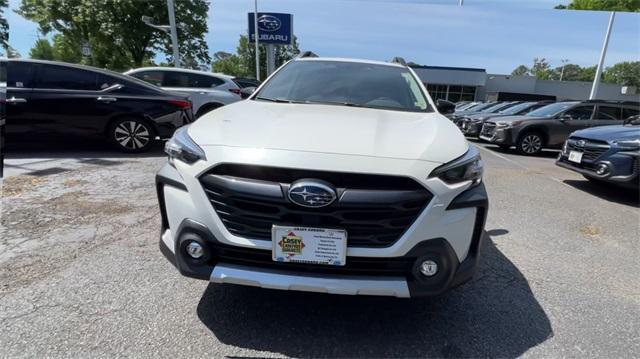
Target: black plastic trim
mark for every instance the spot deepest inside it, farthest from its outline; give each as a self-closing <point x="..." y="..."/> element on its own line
<point x="169" y="176"/>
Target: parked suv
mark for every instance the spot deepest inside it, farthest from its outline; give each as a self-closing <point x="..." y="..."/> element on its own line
<point x="550" y="126"/>
<point x="472" y="124"/>
<point x="54" y="98"/>
<point x="337" y="176"/>
<point x="206" y="90"/>
<point x="605" y="154"/>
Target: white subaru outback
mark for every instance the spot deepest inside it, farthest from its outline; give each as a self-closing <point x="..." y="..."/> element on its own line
<point x="335" y="176"/>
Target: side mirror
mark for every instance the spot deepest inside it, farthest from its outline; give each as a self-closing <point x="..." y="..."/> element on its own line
<point x="564" y="118"/>
<point x="445" y="107"/>
<point x="247" y="91"/>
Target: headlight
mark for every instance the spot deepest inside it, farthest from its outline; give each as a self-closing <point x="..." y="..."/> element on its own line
<point x="629" y="144"/>
<point x="468" y="167"/>
<point x="507" y="124"/>
<point x="182" y="147"/>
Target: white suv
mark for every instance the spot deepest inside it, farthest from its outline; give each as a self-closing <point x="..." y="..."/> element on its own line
<point x="335" y="176"/>
<point x="206" y="90"/>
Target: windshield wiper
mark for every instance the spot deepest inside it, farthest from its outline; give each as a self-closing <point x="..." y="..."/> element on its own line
<point x="279" y="100"/>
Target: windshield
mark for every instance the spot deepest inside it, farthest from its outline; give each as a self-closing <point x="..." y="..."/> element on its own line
<point x="495" y="108"/>
<point x="517" y="108"/>
<point x="347" y="84"/>
<point x="551" y="110"/>
<point x="480" y="106"/>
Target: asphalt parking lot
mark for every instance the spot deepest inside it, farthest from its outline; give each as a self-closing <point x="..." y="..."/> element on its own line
<point x="81" y="274"/>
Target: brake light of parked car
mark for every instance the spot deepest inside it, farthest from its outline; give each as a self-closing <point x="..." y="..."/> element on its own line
<point x="181" y="103"/>
<point x="235" y="91"/>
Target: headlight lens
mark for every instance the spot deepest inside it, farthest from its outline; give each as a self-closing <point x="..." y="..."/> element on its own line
<point x="507" y="124"/>
<point x="182" y="147"/>
<point x="629" y="144"/>
<point x="469" y="167"/>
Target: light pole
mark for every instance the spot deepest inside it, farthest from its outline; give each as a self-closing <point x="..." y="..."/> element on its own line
<point x="564" y="62"/>
<point x="255" y="34"/>
<point x="168" y="29"/>
<point x="603" y="53"/>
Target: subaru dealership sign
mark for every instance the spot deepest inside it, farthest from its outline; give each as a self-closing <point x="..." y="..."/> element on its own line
<point x="273" y="28"/>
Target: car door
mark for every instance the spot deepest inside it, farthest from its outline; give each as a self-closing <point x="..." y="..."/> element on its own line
<point x="18" y="106"/>
<point x="573" y="119"/>
<point x="69" y="100"/>
<point x="607" y="115"/>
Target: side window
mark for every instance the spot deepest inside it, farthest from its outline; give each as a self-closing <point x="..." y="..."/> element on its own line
<point x="152" y="77"/>
<point x="608" y="113"/>
<point x="67" y="78"/>
<point x="202" y="81"/>
<point x="19" y="74"/>
<point x="580" y="113"/>
<point x="628" y="112"/>
<point x="175" y="79"/>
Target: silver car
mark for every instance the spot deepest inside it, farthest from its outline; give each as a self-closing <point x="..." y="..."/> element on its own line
<point x="206" y="90"/>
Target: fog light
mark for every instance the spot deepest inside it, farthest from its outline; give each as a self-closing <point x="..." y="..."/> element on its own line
<point x="602" y="169"/>
<point x="428" y="268"/>
<point x="195" y="250"/>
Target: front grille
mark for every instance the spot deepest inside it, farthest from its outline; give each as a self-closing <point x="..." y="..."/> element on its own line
<point x="369" y="266"/>
<point x="488" y="129"/>
<point x="375" y="210"/>
<point x="591" y="150"/>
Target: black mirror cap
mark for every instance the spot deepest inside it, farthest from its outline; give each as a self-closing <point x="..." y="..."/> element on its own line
<point x="445" y="107"/>
<point x="247" y="91"/>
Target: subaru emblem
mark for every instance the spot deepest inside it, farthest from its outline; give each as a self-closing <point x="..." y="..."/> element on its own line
<point x="581" y="143"/>
<point x="311" y="193"/>
<point x="268" y="23"/>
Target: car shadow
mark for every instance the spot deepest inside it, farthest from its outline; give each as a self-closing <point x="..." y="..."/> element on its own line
<point x="608" y="192"/>
<point x="546" y="153"/>
<point x="495" y="315"/>
<point x="90" y="149"/>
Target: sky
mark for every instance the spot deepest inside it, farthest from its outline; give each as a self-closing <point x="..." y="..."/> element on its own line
<point x="496" y="35"/>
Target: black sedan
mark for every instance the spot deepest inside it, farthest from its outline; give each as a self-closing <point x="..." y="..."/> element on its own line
<point x="605" y="154"/>
<point x="47" y="98"/>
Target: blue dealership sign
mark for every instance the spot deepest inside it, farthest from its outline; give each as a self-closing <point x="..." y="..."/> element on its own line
<point x="273" y="28"/>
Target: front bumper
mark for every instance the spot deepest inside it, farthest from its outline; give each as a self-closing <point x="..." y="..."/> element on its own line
<point x="377" y="274"/>
<point x="500" y="136"/>
<point x="624" y="167"/>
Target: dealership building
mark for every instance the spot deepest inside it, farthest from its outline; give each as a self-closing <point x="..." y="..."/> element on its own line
<point x="471" y="84"/>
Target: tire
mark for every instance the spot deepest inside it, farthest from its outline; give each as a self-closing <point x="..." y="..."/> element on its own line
<point x="530" y="143"/>
<point x="131" y="135"/>
<point x="204" y="109"/>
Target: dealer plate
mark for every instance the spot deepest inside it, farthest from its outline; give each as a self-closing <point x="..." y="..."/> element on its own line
<point x="309" y="245"/>
<point x="575" y="156"/>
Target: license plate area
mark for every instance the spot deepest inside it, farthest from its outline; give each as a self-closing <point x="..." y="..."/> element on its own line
<point x="309" y="245"/>
<point x="575" y="156"/>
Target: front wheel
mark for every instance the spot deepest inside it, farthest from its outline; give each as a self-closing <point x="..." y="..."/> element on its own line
<point x="131" y="135"/>
<point x="530" y="143"/>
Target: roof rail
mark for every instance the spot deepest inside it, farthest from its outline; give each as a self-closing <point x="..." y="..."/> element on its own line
<point x="621" y="102"/>
<point x="306" y="54"/>
<point x="399" y="60"/>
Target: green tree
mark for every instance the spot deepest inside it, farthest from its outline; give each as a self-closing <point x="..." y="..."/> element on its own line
<point x="114" y="29"/>
<point x="64" y="49"/>
<point x="42" y="50"/>
<point x="606" y="5"/>
<point x="4" y="27"/>
<point x="227" y="63"/>
<point x="243" y="63"/>
<point x="541" y="69"/>
<point x="520" y="71"/>
<point x="623" y="73"/>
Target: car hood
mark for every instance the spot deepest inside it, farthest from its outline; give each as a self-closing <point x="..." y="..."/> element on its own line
<point x="610" y="133"/>
<point x="331" y="129"/>
<point x="484" y="115"/>
<point x="517" y="118"/>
